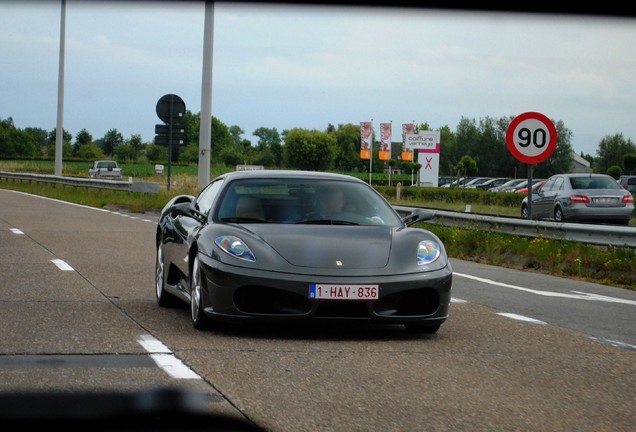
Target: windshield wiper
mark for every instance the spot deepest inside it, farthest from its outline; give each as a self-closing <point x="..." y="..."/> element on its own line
<point x="327" y="222"/>
<point x="244" y="220"/>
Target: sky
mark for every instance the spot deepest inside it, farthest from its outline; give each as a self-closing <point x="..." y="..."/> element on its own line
<point x="284" y="67"/>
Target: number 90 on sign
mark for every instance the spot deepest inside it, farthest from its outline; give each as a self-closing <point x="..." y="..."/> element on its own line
<point x="531" y="137"/>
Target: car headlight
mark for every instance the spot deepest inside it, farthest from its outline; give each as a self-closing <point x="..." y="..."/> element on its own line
<point x="233" y="246"/>
<point x="427" y="252"/>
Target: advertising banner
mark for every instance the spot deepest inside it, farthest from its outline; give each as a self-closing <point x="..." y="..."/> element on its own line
<point x="427" y="145"/>
<point x="385" y="141"/>
<point x="366" y="136"/>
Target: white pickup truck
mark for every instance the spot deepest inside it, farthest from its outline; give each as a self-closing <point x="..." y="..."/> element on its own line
<point x="105" y="169"/>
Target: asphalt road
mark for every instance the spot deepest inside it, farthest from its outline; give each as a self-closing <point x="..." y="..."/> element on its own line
<point x="520" y="351"/>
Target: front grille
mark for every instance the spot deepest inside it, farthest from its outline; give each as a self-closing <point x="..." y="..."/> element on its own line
<point x="270" y="301"/>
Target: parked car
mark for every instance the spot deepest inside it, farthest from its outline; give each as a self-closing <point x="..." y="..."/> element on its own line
<point x="536" y="184"/>
<point x="509" y="186"/>
<point x="583" y="197"/>
<point x="628" y="182"/>
<point x="493" y="182"/>
<point x="309" y="245"/>
<point x="475" y="182"/>
<point x="460" y="182"/>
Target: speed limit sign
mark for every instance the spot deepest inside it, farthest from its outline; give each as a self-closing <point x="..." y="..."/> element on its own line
<point x="531" y="137"/>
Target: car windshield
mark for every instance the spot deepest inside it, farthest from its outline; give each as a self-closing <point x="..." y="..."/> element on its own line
<point x="594" y="183"/>
<point x="304" y="201"/>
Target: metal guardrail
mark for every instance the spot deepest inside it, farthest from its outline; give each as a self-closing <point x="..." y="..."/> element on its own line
<point x="603" y="235"/>
<point x="120" y="185"/>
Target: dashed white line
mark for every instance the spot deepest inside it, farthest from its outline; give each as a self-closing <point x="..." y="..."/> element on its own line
<point x="165" y="359"/>
<point x="577" y="294"/>
<point x="62" y="265"/>
<point x="16" y="231"/>
<point x="521" y="318"/>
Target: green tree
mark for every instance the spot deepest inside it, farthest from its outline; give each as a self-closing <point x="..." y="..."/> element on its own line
<point x="467" y="166"/>
<point x="611" y="150"/>
<point x="67" y="148"/>
<point x="560" y="161"/>
<point x="448" y="153"/>
<point x="629" y="163"/>
<point x="90" y="151"/>
<point x="39" y="137"/>
<point x="615" y="171"/>
<point x="269" y="146"/>
<point x="82" y="138"/>
<point x="111" y="140"/>
<point x="190" y="154"/>
<point x="15" y="142"/>
<point x="309" y="150"/>
<point x="157" y="154"/>
<point x="191" y="123"/>
<point x="136" y="142"/>
<point x="126" y="152"/>
<point x="348" y="148"/>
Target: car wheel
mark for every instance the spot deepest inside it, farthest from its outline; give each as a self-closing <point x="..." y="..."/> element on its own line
<point x="421" y="328"/>
<point x="164" y="298"/>
<point x="524" y="211"/>
<point x="558" y="214"/>
<point x="199" y="320"/>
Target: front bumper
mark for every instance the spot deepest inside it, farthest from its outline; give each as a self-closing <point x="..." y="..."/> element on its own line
<point x="237" y="293"/>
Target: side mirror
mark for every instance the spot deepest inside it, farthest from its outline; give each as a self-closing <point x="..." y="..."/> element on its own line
<point x="187" y="209"/>
<point x="418" y="215"/>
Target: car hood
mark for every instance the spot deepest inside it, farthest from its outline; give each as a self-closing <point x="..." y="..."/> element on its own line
<point x="329" y="246"/>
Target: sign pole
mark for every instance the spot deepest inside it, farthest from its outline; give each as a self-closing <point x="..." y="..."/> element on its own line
<point x="530" y="171"/>
<point x="170" y="140"/>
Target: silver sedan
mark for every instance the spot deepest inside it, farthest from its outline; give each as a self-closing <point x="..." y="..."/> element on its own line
<point x="580" y="197"/>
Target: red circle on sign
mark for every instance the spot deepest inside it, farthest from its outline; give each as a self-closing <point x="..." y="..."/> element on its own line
<point x="531" y="137"/>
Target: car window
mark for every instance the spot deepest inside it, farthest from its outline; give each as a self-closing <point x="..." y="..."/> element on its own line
<point x="207" y="195"/>
<point x="548" y="185"/>
<point x="295" y="200"/>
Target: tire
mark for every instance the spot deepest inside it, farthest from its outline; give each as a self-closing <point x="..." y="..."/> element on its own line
<point x="164" y="299"/>
<point x="558" y="214"/>
<point x="524" y="211"/>
<point x="421" y="328"/>
<point x="199" y="320"/>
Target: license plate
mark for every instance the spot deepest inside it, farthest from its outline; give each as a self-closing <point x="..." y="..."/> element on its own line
<point x="604" y="200"/>
<point x="344" y="292"/>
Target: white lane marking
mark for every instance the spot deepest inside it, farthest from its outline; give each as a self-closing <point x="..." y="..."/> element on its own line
<point x="152" y="345"/>
<point x="577" y="294"/>
<point x="174" y="367"/>
<point x="165" y="359"/>
<point x="521" y="318"/>
<point x="62" y="265"/>
<point x="614" y="343"/>
<point x="457" y="300"/>
<point x="16" y="231"/>
<point x="80" y="205"/>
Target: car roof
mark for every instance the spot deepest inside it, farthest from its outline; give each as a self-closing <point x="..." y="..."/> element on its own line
<point x="582" y="175"/>
<point x="318" y="175"/>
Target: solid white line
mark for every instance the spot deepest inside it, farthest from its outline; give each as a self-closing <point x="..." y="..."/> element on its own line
<point x="174" y="367"/>
<point x="577" y="294"/>
<point x="16" y="231"/>
<point x="521" y="318"/>
<point x="165" y="359"/>
<point x="152" y="345"/>
<point x="62" y="265"/>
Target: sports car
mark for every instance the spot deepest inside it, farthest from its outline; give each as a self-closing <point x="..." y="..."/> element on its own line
<point x="299" y="245"/>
